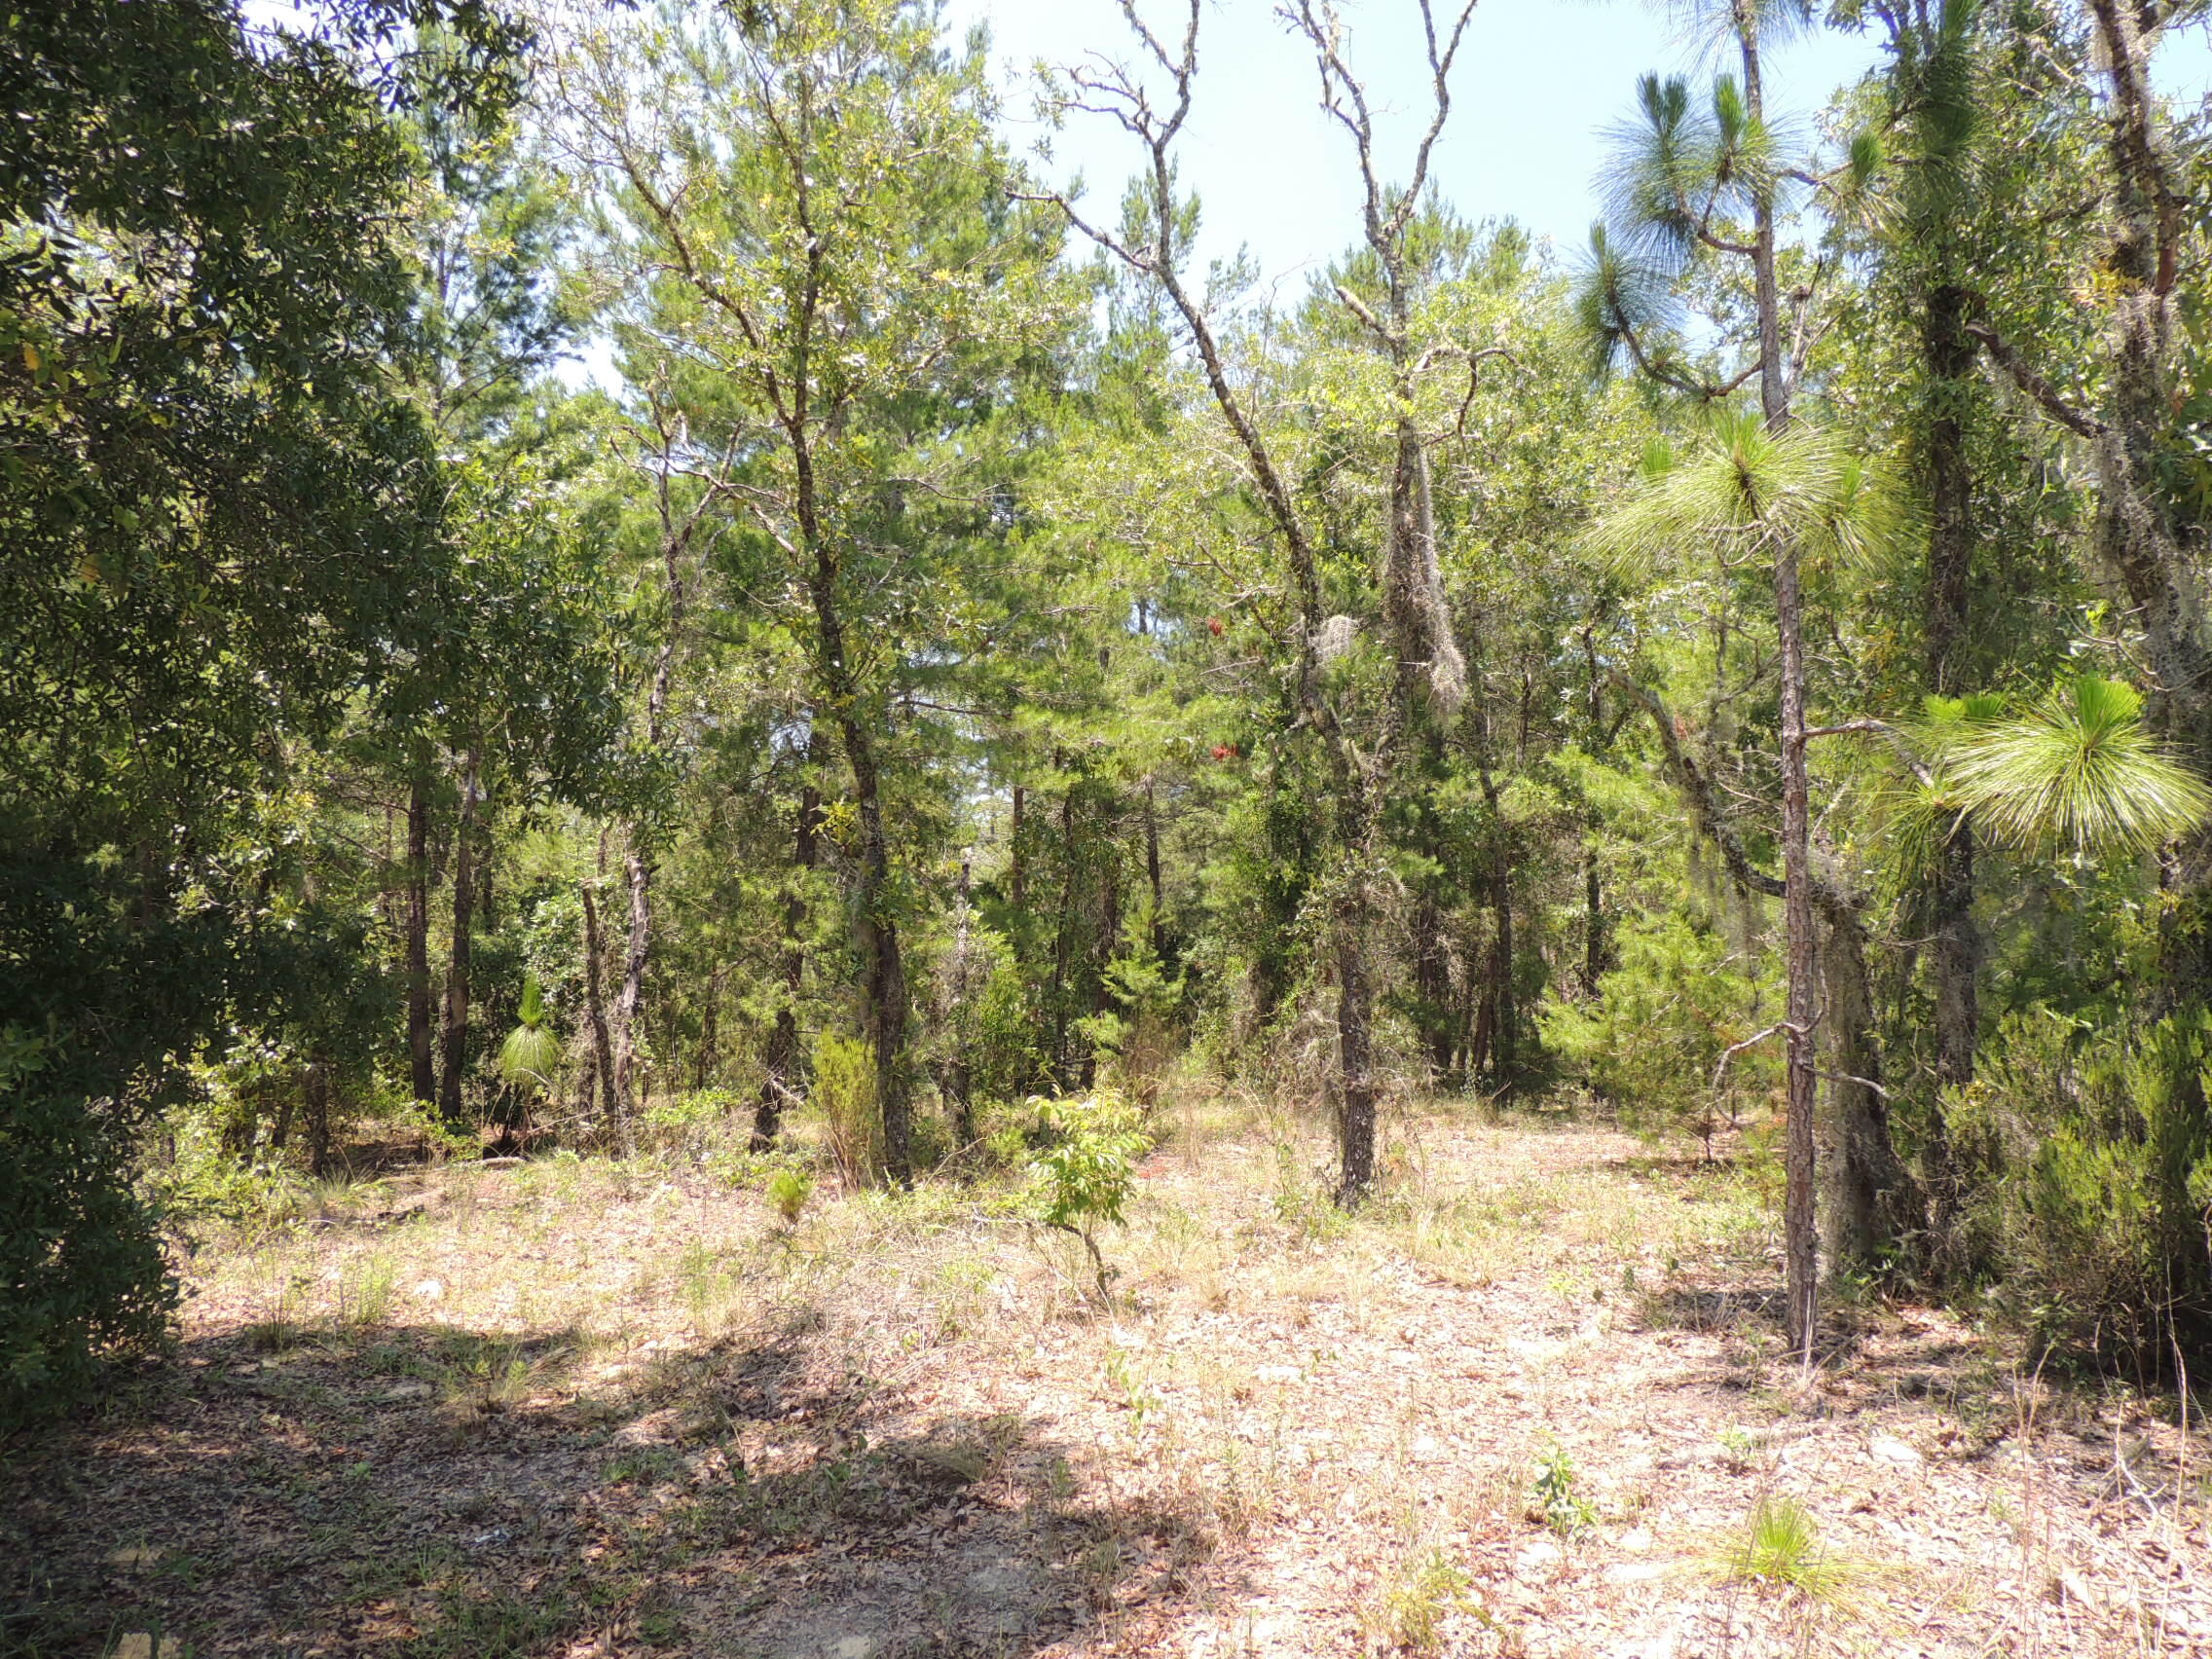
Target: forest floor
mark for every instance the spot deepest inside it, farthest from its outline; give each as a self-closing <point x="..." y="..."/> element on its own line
<point x="1532" y="1401"/>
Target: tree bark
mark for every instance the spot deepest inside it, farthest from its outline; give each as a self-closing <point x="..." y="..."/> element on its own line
<point x="786" y="1068"/>
<point x="316" y="1086"/>
<point x="1800" y="1235"/>
<point x="638" y="874"/>
<point x="1949" y="353"/>
<point x="614" y="1105"/>
<point x="1868" y="1202"/>
<point x="419" y="1052"/>
<point x="455" y="1036"/>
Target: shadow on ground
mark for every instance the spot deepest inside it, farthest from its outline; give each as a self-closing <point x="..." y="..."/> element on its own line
<point x="427" y="1491"/>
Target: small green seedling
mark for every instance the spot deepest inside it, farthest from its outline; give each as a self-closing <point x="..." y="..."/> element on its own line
<point x="1087" y="1172"/>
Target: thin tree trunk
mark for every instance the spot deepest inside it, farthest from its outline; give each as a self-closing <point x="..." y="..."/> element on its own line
<point x="316" y="1086"/>
<point x="887" y="993"/>
<point x="959" y="1072"/>
<point x="1800" y="947"/>
<point x="455" y="1032"/>
<point x="1152" y="873"/>
<point x="1595" y="934"/>
<point x="784" y="1082"/>
<point x="614" y="1105"/>
<point x="706" y="1059"/>
<point x="1956" y="958"/>
<point x="1063" y="942"/>
<point x="1800" y="1237"/>
<point x="1016" y="881"/>
<point x="639" y="878"/>
<point x="419" y="1052"/>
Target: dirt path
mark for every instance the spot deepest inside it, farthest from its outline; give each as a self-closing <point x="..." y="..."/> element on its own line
<point x="1530" y="1404"/>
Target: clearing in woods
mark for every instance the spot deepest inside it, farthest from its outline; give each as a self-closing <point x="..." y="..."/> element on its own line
<point x="1532" y="1401"/>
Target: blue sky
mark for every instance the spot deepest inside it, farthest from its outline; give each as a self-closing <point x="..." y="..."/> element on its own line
<point x="1537" y="84"/>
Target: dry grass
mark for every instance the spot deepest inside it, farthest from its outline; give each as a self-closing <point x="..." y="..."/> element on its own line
<point x="577" y="1407"/>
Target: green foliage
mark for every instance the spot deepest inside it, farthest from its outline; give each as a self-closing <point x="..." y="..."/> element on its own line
<point x="789" y="1189"/>
<point x="2090" y="1161"/>
<point x="1781" y="1550"/>
<point x="1676" y="999"/>
<point x="1563" y="1508"/>
<point x="532" y="1052"/>
<point x="2078" y="770"/>
<point x="1408" y="1612"/>
<point x="82" y="1276"/>
<point x="844" y="1092"/>
<point x="1088" y="1168"/>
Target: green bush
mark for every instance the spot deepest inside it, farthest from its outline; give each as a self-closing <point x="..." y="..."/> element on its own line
<point x="2087" y="1163"/>
<point x="1649" y="1042"/>
<point x="695" y="1123"/>
<point x="844" y="1093"/>
<point x="1088" y="1168"/>
<point x="82" y="1276"/>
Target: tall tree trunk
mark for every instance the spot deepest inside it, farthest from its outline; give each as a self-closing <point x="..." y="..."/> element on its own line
<point x="1501" y="1015"/>
<point x="959" y="1071"/>
<point x="1016" y="878"/>
<point x="454" y="1037"/>
<point x="1432" y="984"/>
<point x="2140" y="526"/>
<point x="786" y="1065"/>
<point x="887" y="992"/>
<point x="706" y="1059"/>
<point x="1595" y="932"/>
<point x="1152" y="873"/>
<point x="317" y="1086"/>
<point x="1801" y="948"/>
<point x="1870" y="1200"/>
<point x="1063" y="939"/>
<point x="638" y="873"/>
<point x="1800" y="1237"/>
<point x="419" y="1057"/>
<point x="613" y="1104"/>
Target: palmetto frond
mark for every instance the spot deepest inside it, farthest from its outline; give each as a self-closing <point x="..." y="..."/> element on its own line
<point x="2079" y="769"/>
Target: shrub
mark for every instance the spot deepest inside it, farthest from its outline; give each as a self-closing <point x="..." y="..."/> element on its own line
<point x="1089" y="1167"/>
<point x="2086" y="1161"/>
<point x="80" y="1269"/>
<point x="1662" y="1020"/>
<point x="693" y="1121"/>
<point x="789" y="1189"/>
<point x="844" y="1092"/>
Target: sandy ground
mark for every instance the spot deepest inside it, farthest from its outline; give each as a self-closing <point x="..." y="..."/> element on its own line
<point x="1532" y="1401"/>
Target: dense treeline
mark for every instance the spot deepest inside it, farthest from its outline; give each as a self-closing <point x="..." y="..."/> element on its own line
<point x="1753" y="669"/>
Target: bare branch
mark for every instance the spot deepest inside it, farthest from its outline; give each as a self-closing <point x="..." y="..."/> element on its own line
<point x="2076" y="420"/>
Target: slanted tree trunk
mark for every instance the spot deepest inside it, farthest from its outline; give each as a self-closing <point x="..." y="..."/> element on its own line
<point x="419" y="1057"/>
<point x="785" y="1067"/>
<point x="456" y="1033"/>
